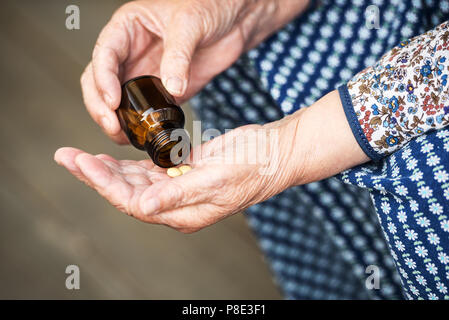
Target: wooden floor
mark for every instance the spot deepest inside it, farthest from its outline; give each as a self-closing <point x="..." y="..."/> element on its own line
<point x="50" y="220"/>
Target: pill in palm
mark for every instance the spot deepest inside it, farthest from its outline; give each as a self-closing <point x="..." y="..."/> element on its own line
<point x="173" y="172"/>
<point x="185" y="169"/>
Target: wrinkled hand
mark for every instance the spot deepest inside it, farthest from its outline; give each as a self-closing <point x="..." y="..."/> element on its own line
<point x="230" y="172"/>
<point x="217" y="186"/>
<point x="184" y="42"/>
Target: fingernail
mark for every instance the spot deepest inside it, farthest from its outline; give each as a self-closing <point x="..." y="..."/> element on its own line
<point x="151" y="206"/>
<point x="175" y="85"/>
<point x="105" y="123"/>
<point x="108" y="100"/>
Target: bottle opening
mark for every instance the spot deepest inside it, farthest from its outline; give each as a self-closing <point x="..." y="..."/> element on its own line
<point x="169" y="148"/>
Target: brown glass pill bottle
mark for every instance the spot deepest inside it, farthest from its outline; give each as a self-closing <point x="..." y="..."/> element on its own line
<point x="153" y="122"/>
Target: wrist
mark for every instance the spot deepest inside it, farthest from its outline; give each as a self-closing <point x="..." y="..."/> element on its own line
<point x="297" y="152"/>
<point x="321" y="140"/>
<point x="286" y="159"/>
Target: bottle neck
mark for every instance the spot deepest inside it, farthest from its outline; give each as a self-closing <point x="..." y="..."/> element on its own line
<point x="169" y="147"/>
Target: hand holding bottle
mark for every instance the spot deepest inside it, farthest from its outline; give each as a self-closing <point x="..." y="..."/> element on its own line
<point x="183" y="42"/>
<point x="226" y="175"/>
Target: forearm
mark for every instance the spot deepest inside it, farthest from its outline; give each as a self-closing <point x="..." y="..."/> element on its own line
<point x="321" y="141"/>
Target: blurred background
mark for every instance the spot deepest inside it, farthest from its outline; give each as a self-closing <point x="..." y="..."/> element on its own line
<point x="49" y="220"/>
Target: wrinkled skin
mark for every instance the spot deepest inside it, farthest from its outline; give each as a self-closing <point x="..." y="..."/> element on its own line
<point x="187" y="41"/>
<point x="193" y="40"/>
<point x="214" y="189"/>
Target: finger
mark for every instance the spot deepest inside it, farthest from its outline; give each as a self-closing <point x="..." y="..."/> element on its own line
<point x="98" y="110"/>
<point x="182" y="37"/>
<point x="66" y="157"/>
<point x="110" y="51"/>
<point x="194" y="187"/>
<point x="144" y="168"/>
<point x="120" y="138"/>
<point x="108" y="183"/>
<point x="107" y="158"/>
<point x="189" y="230"/>
<point x="132" y="172"/>
<point x="188" y="219"/>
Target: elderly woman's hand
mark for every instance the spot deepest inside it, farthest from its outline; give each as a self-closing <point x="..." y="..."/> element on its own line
<point x="230" y="172"/>
<point x="184" y="42"/>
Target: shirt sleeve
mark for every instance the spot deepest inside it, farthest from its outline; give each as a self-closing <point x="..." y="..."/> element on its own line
<point x="402" y="96"/>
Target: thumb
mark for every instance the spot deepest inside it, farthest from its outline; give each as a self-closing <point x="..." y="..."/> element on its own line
<point x="180" y="42"/>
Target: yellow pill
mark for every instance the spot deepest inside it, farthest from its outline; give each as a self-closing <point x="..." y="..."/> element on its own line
<point x="173" y="172"/>
<point x="185" y="169"/>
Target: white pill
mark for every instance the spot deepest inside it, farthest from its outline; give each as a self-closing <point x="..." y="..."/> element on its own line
<point x="185" y="169"/>
<point x="173" y="172"/>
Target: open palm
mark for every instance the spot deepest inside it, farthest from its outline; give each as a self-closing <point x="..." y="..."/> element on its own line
<point x="214" y="189"/>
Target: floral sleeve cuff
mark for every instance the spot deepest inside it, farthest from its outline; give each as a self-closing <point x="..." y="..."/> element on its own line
<point x="402" y="96"/>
